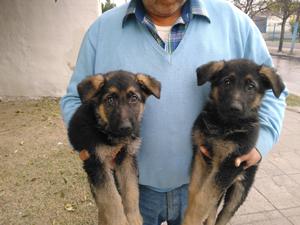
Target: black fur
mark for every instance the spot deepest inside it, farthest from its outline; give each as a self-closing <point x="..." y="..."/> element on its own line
<point x="83" y="131"/>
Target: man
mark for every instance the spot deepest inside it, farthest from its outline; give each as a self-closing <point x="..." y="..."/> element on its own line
<point x="169" y="39"/>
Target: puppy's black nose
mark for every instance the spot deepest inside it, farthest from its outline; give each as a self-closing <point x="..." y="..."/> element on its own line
<point x="125" y="127"/>
<point x="236" y="106"/>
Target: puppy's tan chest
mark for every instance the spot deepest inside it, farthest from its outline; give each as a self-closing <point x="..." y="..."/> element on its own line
<point x="108" y="154"/>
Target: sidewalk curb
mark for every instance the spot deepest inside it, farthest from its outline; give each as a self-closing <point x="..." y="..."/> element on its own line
<point x="295" y="109"/>
<point x="285" y="55"/>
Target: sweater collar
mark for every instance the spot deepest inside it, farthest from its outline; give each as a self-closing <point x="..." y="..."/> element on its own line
<point x="190" y="9"/>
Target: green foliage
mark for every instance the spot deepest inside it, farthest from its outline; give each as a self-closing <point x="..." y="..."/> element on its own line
<point x="107" y="5"/>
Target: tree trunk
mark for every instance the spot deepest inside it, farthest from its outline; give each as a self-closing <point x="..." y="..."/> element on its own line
<point x="295" y="32"/>
<point x="282" y="34"/>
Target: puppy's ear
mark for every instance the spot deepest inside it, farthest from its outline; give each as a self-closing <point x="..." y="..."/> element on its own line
<point x="88" y="87"/>
<point x="207" y="71"/>
<point x="149" y="85"/>
<point x="272" y="80"/>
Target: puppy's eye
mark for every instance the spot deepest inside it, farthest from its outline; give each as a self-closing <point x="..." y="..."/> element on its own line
<point x="250" y="86"/>
<point x="110" y="100"/>
<point x="227" y="82"/>
<point x="133" y="99"/>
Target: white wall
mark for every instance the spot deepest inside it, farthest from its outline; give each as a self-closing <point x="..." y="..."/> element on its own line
<point x="39" y="43"/>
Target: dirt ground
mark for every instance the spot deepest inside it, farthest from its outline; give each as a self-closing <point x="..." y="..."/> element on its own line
<point x="41" y="178"/>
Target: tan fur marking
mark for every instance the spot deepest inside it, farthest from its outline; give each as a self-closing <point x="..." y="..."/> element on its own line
<point x="211" y="220"/>
<point x="203" y="191"/>
<point x="199" y="167"/>
<point x="277" y="84"/>
<point x="126" y="175"/>
<point x="256" y="102"/>
<point x="107" y="152"/>
<point x="112" y="90"/>
<point x="217" y="66"/>
<point x="203" y="202"/>
<point x="228" y="211"/>
<point x="221" y="150"/>
<point x="133" y="147"/>
<point x="131" y="89"/>
<point x="141" y="112"/>
<point x="115" y="208"/>
<point x="97" y="81"/>
<point x="109" y="202"/>
<point x="102" y="113"/>
<point x="199" y="174"/>
<point x="258" y="97"/>
<point x="143" y="80"/>
<point x="215" y="94"/>
<point x="150" y="83"/>
<point x="266" y="71"/>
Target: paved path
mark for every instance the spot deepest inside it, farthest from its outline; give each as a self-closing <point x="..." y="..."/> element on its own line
<point x="273" y="47"/>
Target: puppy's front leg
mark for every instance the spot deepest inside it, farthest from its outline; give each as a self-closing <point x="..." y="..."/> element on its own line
<point x="203" y="202"/>
<point x="200" y="171"/>
<point x="108" y="200"/>
<point x="126" y="173"/>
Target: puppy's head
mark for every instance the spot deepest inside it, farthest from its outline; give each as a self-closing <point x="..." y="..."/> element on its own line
<point x="237" y="86"/>
<point x="118" y="98"/>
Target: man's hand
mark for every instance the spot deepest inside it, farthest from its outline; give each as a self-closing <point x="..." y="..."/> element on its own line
<point x="251" y="158"/>
<point x="84" y="155"/>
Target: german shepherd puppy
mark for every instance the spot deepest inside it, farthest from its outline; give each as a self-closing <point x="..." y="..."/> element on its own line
<point x="228" y="127"/>
<point x="105" y="128"/>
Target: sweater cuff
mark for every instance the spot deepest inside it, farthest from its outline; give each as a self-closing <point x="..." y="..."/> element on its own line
<point x="264" y="142"/>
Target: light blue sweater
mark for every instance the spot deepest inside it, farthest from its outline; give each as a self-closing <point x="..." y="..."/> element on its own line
<point x="166" y="151"/>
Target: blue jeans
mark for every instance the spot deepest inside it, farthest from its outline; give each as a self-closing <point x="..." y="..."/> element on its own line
<point x="157" y="207"/>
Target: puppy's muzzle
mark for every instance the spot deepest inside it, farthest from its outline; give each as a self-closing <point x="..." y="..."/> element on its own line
<point x="236" y="107"/>
<point x="125" y="128"/>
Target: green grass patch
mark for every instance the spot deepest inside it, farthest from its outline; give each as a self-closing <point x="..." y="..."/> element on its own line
<point x="293" y="100"/>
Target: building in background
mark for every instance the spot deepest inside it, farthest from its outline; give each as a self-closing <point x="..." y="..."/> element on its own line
<point x="261" y="23"/>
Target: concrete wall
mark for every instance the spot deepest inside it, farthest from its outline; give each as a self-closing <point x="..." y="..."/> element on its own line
<point x="39" y="43"/>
